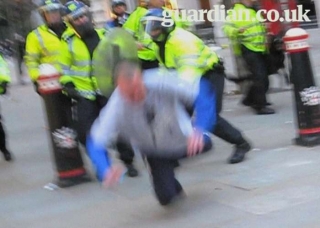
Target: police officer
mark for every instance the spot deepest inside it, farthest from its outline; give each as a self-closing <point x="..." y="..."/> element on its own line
<point x="249" y="38"/>
<point x="78" y="46"/>
<point x="43" y="43"/>
<point x="146" y="54"/>
<point x="119" y="8"/>
<point x="4" y="80"/>
<point x="43" y="47"/>
<point x="181" y="50"/>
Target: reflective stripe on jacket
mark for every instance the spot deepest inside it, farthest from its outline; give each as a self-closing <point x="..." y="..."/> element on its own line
<point x="42" y="46"/>
<point x="254" y="35"/>
<point x="188" y="54"/>
<point x="76" y="64"/>
<point x="4" y="71"/>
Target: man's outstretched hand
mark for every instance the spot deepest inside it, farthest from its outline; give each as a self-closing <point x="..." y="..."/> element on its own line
<point x="195" y="143"/>
<point x="113" y="176"/>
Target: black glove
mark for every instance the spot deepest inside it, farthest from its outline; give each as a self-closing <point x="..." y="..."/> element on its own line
<point x="4" y="87"/>
<point x="71" y="91"/>
<point x="219" y="67"/>
<point x="36" y="87"/>
<point x="102" y="100"/>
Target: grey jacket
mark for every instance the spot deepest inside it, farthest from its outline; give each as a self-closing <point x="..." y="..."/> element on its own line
<point x="166" y="134"/>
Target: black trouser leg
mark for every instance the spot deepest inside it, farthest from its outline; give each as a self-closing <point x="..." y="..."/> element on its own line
<point x="227" y="132"/>
<point x="257" y="65"/>
<point x="223" y="128"/>
<point x="126" y="152"/>
<point x="166" y="186"/>
<point x="87" y="112"/>
<point x="3" y="147"/>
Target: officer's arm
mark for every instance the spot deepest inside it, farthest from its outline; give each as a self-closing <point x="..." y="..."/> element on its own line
<point x="186" y="59"/>
<point x="32" y="57"/>
<point x="232" y="25"/>
<point x="4" y="71"/>
<point x="200" y="95"/>
<point x="4" y="75"/>
<point x="132" y="23"/>
<point x="230" y="30"/>
<point x="65" y="62"/>
<point x="190" y="70"/>
<point x="205" y="106"/>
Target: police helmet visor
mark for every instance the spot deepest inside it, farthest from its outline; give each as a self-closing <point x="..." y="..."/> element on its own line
<point x="53" y="7"/>
<point x="153" y="28"/>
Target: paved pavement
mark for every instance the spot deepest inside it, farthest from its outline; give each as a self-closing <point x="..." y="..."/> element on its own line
<point x="277" y="186"/>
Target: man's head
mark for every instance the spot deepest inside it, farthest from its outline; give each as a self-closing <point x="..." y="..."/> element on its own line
<point x="79" y="17"/>
<point x="119" y="7"/>
<point x="128" y="77"/>
<point x="158" y="24"/>
<point x="51" y="12"/>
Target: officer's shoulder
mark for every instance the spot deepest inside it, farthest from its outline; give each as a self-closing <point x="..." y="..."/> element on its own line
<point x="34" y="33"/>
<point x="38" y="29"/>
<point x="182" y="34"/>
<point x="68" y="35"/>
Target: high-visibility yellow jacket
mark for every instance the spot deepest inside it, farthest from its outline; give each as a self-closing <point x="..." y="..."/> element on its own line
<point x="254" y="35"/>
<point x="42" y="46"/>
<point x="133" y="26"/>
<point x="4" y="72"/>
<point x="188" y="54"/>
<point x="76" y="64"/>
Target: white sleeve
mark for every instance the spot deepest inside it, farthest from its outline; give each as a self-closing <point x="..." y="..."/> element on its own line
<point x="106" y="127"/>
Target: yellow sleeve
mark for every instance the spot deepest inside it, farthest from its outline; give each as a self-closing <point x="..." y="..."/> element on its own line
<point x="186" y="60"/>
<point x="132" y="23"/>
<point x="65" y="62"/>
<point x="4" y="71"/>
<point x="32" y="56"/>
<point x="230" y="28"/>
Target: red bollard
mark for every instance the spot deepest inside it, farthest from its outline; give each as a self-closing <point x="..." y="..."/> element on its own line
<point x="65" y="150"/>
<point x="307" y="94"/>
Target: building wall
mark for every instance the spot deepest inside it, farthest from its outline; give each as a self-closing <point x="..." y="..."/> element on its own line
<point x="100" y="11"/>
<point x="317" y="4"/>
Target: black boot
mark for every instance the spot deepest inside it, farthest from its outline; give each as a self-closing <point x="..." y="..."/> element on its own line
<point x="132" y="171"/>
<point x="7" y="155"/>
<point x="240" y="152"/>
<point x="264" y="111"/>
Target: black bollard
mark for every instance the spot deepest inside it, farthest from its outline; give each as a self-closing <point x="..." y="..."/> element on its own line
<point x="67" y="157"/>
<point x="307" y="94"/>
